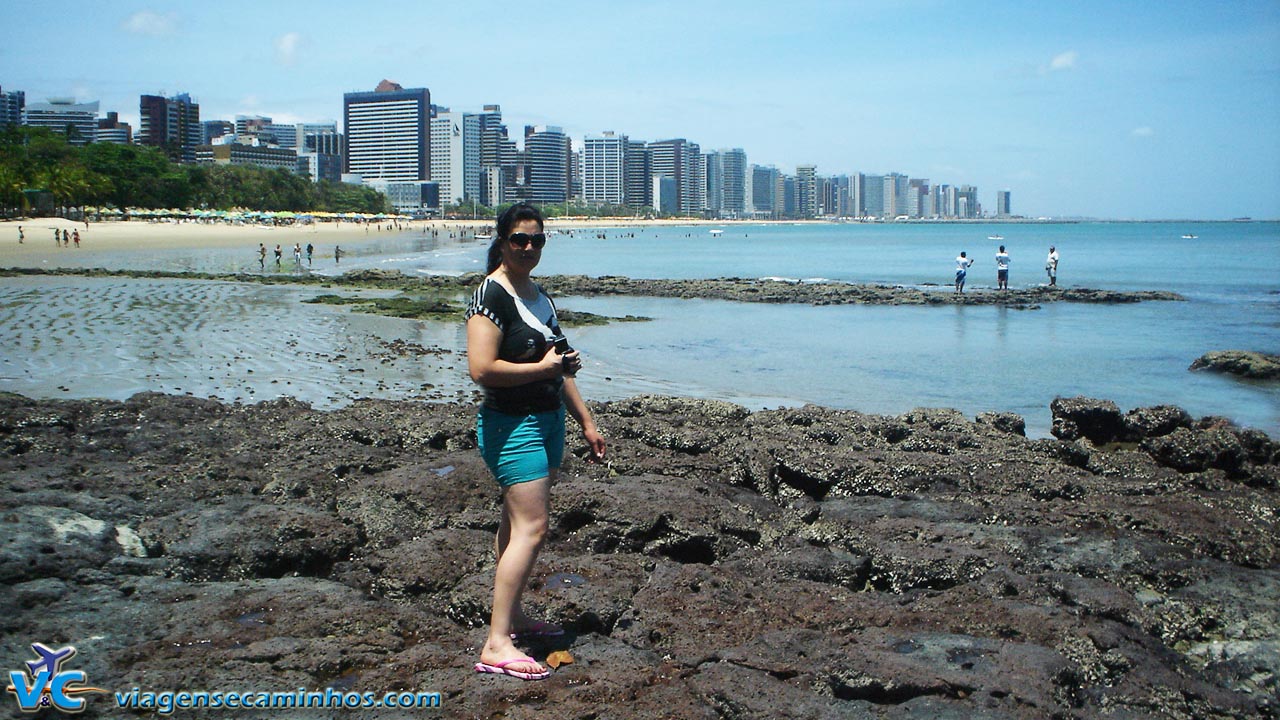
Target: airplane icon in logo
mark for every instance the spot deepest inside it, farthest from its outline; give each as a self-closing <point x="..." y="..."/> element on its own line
<point x="50" y="660"/>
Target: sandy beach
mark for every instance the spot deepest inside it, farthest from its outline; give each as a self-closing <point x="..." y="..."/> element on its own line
<point x="142" y="235"/>
<point x="114" y="235"/>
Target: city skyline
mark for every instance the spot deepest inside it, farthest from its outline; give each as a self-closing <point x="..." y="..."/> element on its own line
<point x="1146" y="111"/>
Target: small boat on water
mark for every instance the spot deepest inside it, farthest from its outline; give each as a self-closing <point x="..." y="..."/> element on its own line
<point x="717" y="233"/>
<point x="484" y="237"/>
<point x="995" y="237"/>
<point x="1189" y="237"/>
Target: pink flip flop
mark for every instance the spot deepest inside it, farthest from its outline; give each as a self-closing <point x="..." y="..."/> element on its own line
<point x="539" y="629"/>
<point x="501" y="669"/>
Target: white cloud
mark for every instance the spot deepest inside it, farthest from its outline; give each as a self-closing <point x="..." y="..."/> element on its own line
<point x="1064" y="61"/>
<point x="1143" y="131"/>
<point x="287" y="47"/>
<point x="146" y="22"/>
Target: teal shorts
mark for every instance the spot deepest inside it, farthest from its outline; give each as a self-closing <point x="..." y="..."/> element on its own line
<point x="520" y="448"/>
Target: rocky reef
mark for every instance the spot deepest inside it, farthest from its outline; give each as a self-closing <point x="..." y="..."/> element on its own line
<point x="794" y="563"/>
<point x="736" y="289"/>
<point x="1241" y="363"/>
<point x="837" y="293"/>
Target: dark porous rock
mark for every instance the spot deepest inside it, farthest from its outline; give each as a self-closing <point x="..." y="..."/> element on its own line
<point x="1241" y="363"/>
<point x="243" y="538"/>
<point x="1099" y="421"/>
<point x="1147" y="422"/>
<point x="41" y="541"/>
<point x="801" y="562"/>
<point x="1188" y="450"/>
<point x="1011" y="423"/>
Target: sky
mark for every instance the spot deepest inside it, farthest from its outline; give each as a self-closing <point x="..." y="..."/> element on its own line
<point x="1124" y="110"/>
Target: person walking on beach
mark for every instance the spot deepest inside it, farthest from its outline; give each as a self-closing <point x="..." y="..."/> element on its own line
<point x="962" y="270"/>
<point x="297" y="255"/>
<point x="1002" y="269"/>
<point x="1051" y="266"/>
<point x="262" y="256"/>
<point x="337" y="254"/>
<point x="279" y="255"/>
<point x="21" y="235"/>
<point x="75" y="237"/>
<point x="310" y="249"/>
<point x="57" y="238"/>
<point x="516" y="353"/>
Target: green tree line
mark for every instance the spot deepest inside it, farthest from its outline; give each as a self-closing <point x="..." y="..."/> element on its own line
<point x="139" y="176"/>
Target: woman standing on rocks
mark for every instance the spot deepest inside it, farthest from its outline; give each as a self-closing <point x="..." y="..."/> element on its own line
<point x="528" y="385"/>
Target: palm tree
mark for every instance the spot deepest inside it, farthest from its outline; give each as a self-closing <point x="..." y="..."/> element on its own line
<point x="11" y="189"/>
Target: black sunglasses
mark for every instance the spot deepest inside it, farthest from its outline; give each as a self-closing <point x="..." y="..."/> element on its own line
<point x="520" y="240"/>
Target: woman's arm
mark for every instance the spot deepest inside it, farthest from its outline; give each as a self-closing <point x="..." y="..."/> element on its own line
<point x="578" y="409"/>
<point x="483" y="339"/>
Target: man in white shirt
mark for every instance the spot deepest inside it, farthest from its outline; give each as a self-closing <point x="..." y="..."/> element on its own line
<point x="1051" y="266"/>
<point x="1002" y="269"/>
<point x="962" y="269"/>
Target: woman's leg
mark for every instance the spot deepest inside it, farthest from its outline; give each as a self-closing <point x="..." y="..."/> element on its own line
<point x="525" y="515"/>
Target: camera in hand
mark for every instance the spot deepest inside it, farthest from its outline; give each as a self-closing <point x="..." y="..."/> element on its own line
<point x="562" y="347"/>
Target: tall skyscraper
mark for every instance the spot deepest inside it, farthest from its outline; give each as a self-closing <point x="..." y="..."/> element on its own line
<point x="172" y="124"/>
<point x="694" y="192"/>
<point x="388" y="133"/>
<point x="667" y="160"/>
<point x="1002" y="204"/>
<point x="857" y="195"/>
<point x="637" y="170"/>
<point x="726" y="183"/>
<point x="764" y="182"/>
<point x="497" y="156"/>
<point x="873" y="196"/>
<point x="547" y="152"/>
<point x="967" y="202"/>
<point x="947" y="201"/>
<point x="735" y="182"/>
<point x="807" y="191"/>
<point x="918" y="198"/>
<point x="78" y="121"/>
<point x="604" y="168"/>
<point x="842" y="187"/>
<point x="715" y="182"/>
<point x="11" y="106"/>
<point x="455" y="156"/>
<point x="682" y="161"/>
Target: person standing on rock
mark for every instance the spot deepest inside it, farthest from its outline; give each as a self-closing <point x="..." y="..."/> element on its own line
<point x="962" y="270"/>
<point x="1002" y="269"/>
<point x="1051" y="266"/>
<point x="516" y="353"/>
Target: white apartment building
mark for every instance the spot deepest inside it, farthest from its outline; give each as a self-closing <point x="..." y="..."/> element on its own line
<point x="455" y="156"/>
<point x="603" y="162"/>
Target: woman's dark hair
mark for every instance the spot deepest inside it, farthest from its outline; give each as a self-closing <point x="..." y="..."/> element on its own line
<point x="506" y="221"/>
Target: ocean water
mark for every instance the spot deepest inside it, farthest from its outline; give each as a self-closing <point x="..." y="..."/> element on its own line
<point x="893" y="359"/>
<point x="890" y="359"/>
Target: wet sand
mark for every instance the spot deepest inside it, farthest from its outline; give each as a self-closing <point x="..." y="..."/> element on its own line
<point x="80" y="337"/>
